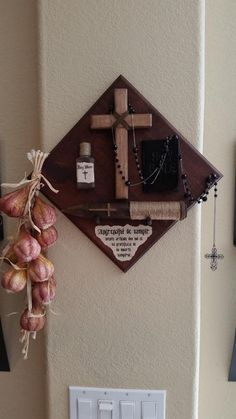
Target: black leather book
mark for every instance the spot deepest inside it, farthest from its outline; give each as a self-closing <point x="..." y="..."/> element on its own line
<point x="152" y="153"/>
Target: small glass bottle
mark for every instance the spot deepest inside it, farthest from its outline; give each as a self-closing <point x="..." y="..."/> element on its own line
<point x="85" y="167"/>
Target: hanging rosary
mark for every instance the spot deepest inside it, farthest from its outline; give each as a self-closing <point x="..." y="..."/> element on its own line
<point x="156" y="172"/>
<point x="214" y="256"/>
<point x="188" y="195"/>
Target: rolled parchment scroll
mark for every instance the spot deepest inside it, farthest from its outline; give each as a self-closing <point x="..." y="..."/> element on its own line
<point x="134" y="210"/>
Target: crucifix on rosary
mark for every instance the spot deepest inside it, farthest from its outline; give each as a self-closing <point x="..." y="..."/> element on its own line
<point x="214" y="256"/>
<point x="120" y="122"/>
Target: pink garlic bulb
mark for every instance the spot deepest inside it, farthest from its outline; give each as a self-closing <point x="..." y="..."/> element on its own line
<point x="40" y="269"/>
<point x="14" y="280"/>
<point x="26" y="247"/>
<point x="44" y="292"/>
<point x="33" y="324"/>
<point x="47" y="237"/>
<point x="13" y="204"/>
<point x="43" y="215"/>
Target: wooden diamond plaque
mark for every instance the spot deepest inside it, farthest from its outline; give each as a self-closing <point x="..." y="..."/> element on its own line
<point x="60" y="169"/>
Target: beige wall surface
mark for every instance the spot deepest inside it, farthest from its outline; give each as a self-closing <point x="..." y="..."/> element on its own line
<point x="138" y="329"/>
<point x="22" y="391"/>
<point x="217" y="395"/>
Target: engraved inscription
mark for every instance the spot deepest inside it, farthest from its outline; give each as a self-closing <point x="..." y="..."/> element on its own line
<point x="124" y="241"/>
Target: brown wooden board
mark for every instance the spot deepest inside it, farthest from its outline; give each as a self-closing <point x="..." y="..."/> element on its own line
<point x="60" y="168"/>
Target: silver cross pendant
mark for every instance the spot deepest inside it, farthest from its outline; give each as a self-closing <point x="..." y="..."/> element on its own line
<point x="214" y="257"/>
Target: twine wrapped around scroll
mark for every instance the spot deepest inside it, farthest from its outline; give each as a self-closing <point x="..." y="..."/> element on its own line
<point x="162" y="210"/>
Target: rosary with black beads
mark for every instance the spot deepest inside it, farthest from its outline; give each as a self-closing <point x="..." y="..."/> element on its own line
<point x="151" y="178"/>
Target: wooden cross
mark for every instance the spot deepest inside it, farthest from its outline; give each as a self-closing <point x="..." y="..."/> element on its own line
<point x="121" y="121"/>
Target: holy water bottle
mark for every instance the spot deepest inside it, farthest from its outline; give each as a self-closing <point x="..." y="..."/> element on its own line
<point x="85" y="167"/>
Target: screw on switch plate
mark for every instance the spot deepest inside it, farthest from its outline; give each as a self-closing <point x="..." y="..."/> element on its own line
<point x="110" y="403"/>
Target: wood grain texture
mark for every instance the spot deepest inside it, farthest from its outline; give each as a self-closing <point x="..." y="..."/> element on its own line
<point x="121" y="100"/>
<point x="122" y="190"/>
<point x="106" y="121"/>
<point x="121" y="134"/>
<point x="59" y="168"/>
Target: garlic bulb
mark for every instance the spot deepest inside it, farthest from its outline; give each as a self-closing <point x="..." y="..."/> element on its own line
<point x="26" y="247"/>
<point x="44" y="292"/>
<point x="47" y="237"/>
<point x="33" y="324"/>
<point x="14" y="280"/>
<point x="40" y="269"/>
<point x="43" y="215"/>
<point x="13" y="204"/>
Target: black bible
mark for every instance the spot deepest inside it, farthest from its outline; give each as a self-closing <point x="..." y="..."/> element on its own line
<point x="166" y="177"/>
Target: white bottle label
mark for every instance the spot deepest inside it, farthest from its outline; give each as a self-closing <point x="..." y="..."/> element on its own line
<point x="85" y="172"/>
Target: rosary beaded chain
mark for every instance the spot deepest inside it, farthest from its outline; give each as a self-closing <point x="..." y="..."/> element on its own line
<point x="188" y="195"/>
<point x="214" y="256"/>
<point x="187" y="185"/>
<point x="135" y="150"/>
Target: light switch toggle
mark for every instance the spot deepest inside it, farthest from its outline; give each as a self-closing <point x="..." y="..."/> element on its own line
<point x="105" y="405"/>
<point x="105" y="408"/>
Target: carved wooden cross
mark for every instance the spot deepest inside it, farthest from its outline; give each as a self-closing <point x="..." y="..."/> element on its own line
<point x="121" y="121"/>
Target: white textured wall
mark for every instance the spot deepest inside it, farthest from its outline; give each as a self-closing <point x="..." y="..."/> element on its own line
<point x="217" y="395"/>
<point x="138" y="329"/>
<point x="22" y="391"/>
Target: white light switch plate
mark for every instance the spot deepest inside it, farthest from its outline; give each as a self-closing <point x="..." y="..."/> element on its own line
<point x="109" y="403"/>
